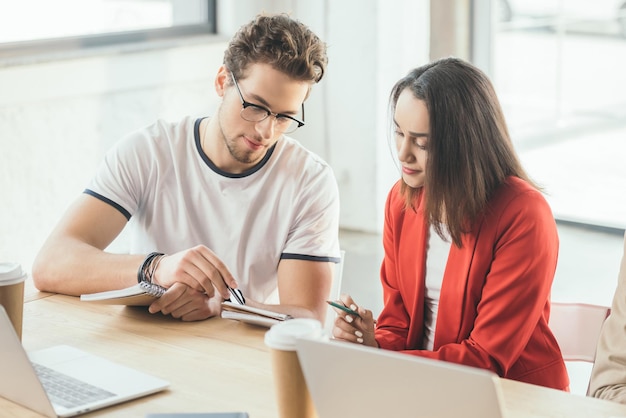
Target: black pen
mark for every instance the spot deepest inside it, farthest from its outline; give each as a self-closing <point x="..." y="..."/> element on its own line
<point x="237" y="295"/>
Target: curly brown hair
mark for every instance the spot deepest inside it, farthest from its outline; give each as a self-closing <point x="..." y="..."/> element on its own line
<point x="284" y="43"/>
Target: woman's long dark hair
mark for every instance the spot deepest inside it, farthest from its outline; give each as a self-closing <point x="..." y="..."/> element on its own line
<point x="470" y="153"/>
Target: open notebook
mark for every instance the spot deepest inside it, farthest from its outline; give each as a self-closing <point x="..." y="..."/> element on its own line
<point x="350" y="380"/>
<point x="251" y="315"/>
<point x="28" y="379"/>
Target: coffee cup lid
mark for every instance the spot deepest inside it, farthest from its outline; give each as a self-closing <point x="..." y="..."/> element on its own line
<point x="283" y="335"/>
<point x="11" y="273"/>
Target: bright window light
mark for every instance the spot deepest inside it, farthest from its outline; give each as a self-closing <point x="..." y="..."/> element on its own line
<point x="31" y="20"/>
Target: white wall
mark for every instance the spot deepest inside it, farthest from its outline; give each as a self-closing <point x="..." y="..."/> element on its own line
<point x="371" y="44"/>
<point x="58" y="117"/>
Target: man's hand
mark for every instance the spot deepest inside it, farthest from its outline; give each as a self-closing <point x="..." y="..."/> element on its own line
<point x="183" y="302"/>
<point x="199" y="268"/>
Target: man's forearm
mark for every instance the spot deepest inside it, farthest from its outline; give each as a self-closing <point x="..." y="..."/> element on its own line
<point x="72" y="267"/>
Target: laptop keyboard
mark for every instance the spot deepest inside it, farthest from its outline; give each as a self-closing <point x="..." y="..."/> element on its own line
<point x="66" y="391"/>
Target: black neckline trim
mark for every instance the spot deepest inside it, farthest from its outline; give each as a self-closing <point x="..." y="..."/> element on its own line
<point x="216" y="169"/>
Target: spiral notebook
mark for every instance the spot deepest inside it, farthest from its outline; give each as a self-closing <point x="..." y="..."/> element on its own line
<point x="141" y="294"/>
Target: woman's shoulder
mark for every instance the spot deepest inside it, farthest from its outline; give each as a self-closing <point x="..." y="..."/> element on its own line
<point x="515" y="187"/>
<point x="518" y="193"/>
<point x="395" y="198"/>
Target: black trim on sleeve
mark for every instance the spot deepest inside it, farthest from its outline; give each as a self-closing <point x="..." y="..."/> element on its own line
<point x="109" y="201"/>
<point x="289" y="256"/>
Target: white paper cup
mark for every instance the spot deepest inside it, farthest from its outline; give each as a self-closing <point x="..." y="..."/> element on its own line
<point x="292" y="393"/>
<point x="12" y="279"/>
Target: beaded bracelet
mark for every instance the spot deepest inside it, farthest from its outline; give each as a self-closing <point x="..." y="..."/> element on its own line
<point x="148" y="267"/>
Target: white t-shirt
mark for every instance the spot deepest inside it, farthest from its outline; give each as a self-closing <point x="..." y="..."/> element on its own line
<point x="287" y="206"/>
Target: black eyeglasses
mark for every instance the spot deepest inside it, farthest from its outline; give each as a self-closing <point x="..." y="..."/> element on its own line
<point x="256" y="113"/>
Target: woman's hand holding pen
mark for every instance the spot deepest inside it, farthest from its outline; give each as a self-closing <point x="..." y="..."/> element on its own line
<point x="357" y="328"/>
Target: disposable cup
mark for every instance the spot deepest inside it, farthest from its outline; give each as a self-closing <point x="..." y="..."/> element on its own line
<point x="292" y="393"/>
<point x="12" y="279"/>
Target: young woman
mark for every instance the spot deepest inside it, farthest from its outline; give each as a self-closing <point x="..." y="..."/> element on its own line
<point x="470" y="243"/>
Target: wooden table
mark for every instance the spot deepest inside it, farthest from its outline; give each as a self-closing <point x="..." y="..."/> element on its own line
<point x="215" y="365"/>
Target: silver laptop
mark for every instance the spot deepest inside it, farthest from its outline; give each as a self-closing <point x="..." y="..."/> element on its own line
<point x="41" y="380"/>
<point x="350" y="380"/>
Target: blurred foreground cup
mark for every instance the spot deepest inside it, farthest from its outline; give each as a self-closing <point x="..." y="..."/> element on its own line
<point x="292" y="393"/>
<point x="12" y="279"/>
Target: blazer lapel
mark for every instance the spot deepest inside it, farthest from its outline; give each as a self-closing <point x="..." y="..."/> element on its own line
<point x="454" y="288"/>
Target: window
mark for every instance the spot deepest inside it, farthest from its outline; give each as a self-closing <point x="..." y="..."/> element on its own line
<point x="31" y="26"/>
<point x="558" y="68"/>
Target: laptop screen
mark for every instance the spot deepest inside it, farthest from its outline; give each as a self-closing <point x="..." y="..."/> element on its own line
<point x="347" y="379"/>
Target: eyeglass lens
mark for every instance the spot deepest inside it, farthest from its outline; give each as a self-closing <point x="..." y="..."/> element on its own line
<point x="254" y="113"/>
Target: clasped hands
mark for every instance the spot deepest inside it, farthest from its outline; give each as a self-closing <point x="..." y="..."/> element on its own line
<point x="197" y="282"/>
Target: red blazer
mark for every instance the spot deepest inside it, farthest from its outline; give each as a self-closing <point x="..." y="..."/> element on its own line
<point x="495" y="295"/>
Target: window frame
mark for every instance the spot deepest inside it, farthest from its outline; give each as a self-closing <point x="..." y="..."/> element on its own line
<point x="67" y="45"/>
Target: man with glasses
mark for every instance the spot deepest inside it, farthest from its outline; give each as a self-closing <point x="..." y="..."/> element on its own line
<point x="221" y="207"/>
